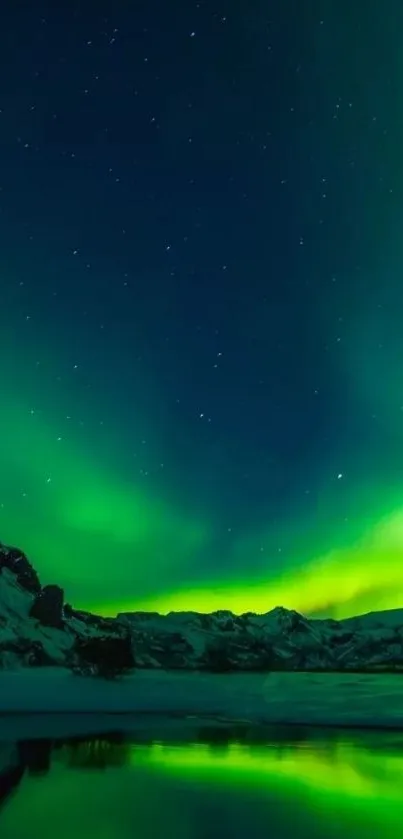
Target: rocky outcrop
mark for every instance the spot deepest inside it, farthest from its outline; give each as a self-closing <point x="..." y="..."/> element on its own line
<point x="18" y="564"/>
<point x="36" y="629"/>
<point x="27" y="652"/>
<point x="103" y="656"/>
<point x="48" y="607"/>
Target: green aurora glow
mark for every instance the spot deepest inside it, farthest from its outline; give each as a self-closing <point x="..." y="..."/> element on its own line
<point x="111" y="338"/>
<point x="115" y="545"/>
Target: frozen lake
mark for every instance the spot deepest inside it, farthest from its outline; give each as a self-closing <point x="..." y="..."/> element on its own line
<point x="288" y="698"/>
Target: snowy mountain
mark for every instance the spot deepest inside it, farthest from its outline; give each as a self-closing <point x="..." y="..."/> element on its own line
<point x="37" y="628"/>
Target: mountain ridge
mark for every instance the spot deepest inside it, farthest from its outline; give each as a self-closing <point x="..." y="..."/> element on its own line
<point x="37" y="628"/>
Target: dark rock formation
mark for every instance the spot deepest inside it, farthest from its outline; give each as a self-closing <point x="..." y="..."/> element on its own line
<point x="17" y="562"/>
<point x="103" y="656"/>
<point x="27" y="652"/>
<point x="47" y="607"/>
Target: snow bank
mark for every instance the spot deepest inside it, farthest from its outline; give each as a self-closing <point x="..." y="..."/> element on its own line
<point x="276" y="698"/>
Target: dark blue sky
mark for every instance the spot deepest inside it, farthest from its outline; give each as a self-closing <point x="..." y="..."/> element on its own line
<point x="200" y="258"/>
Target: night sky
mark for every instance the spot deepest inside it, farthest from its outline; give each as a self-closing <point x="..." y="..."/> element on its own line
<point x="201" y="319"/>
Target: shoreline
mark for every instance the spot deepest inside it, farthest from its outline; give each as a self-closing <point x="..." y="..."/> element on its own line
<point x="185" y="698"/>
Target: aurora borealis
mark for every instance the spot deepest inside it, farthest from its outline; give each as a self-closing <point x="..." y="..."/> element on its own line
<point x="201" y="304"/>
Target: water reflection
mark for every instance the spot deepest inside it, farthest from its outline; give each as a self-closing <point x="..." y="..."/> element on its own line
<point x="301" y="783"/>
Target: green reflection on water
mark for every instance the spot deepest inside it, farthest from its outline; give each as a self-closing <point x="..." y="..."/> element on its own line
<point x="118" y="789"/>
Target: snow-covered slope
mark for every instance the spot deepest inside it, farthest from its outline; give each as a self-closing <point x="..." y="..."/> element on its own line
<point x="37" y="628"/>
<point x="278" y="640"/>
<point x="32" y="631"/>
<point x="19" y="633"/>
